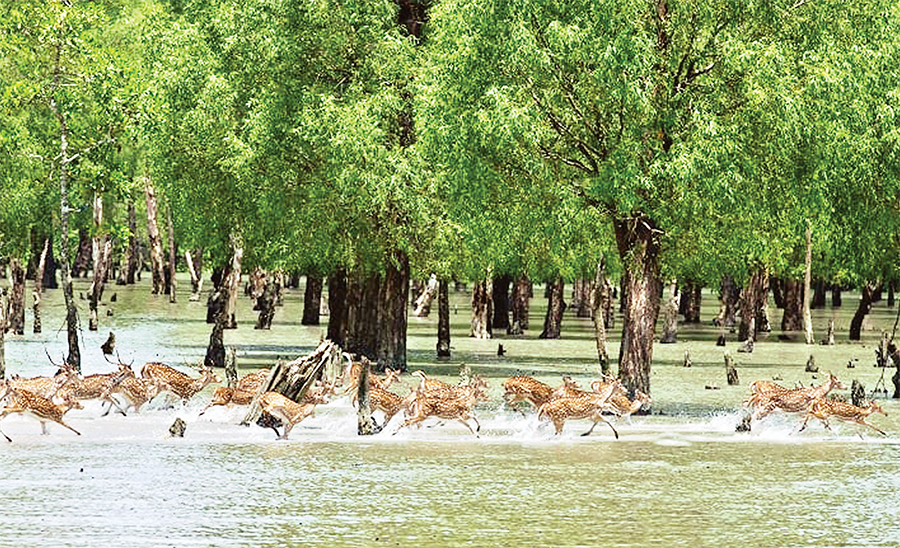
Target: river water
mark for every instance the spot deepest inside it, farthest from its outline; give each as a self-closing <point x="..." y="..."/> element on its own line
<point x="679" y="477"/>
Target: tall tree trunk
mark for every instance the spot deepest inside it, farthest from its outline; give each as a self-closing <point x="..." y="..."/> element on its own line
<point x="670" y="331"/>
<point x="866" y="299"/>
<point x="581" y="297"/>
<point x="443" y="344"/>
<point x="777" y="286"/>
<point x="82" y="264"/>
<point x="218" y="308"/>
<point x="74" y="357"/>
<point x="170" y="279"/>
<point x="312" y="300"/>
<point x="807" y="313"/>
<point x="639" y="252"/>
<point x="156" y="254"/>
<point x="16" y="319"/>
<point x="265" y="303"/>
<point x="752" y="296"/>
<point x="393" y="313"/>
<point x="728" y="296"/>
<point x="555" y="309"/>
<point x="689" y="304"/>
<point x="819" y="291"/>
<point x="500" y="298"/>
<point x="792" y="319"/>
<point x="338" y="308"/>
<point x="233" y="283"/>
<point x="362" y="314"/>
<point x="101" y="247"/>
<point x="428" y="290"/>
<point x="3" y="319"/>
<point x="194" y="270"/>
<point x="38" y="293"/>
<point x="482" y="302"/>
<point x="521" y="293"/>
<point x="130" y="256"/>
<point x="836" y="300"/>
<point x="600" y="305"/>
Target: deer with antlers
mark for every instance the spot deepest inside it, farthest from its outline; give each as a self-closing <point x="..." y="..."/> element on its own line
<point x="168" y="379"/>
<point x="823" y="409"/>
<point x="588" y="405"/>
<point x="27" y="403"/>
<point x="98" y="386"/>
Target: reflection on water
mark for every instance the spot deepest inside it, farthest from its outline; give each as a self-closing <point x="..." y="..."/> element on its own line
<point x="679" y="478"/>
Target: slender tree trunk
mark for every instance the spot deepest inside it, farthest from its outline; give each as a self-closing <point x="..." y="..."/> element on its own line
<point x="751" y="302"/>
<point x="600" y="305"/>
<point x="777" y="286"/>
<point x="156" y="253"/>
<point x="82" y="264"/>
<point x="312" y="300"/>
<point x="728" y="296"/>
<point x="233" y="283"/>
<point x="521" y="294"/>
<point x="39" y="286"/>
<point x="836" y="300"/>
<point x="16" y="319"/>
<point x="3" y="319"/>
<point x="74" y="357"/>
<point x="171" y="285"/>
<point x="689" y="305"/>
<point x="792" y="319"/>
<point x="670" y="332"/>
<point x="555" y="309"/>
<point x="443" y="344"/>
<point x="101" y="247"/>
<point x="338" y="308"/>
<point x="193" y="268"/>
<point x="819" y="291"/>
<point x="130" y="258"/>
<point x="581" y="297"/>
<point x="639" y="251"/>
<point x="807" y="313"/>
<point x="265" y="303"/>
<point x="482" y="302"/>
<point x="393" y="314"/>
<point x="762" y="307"/>
<point x="865" y="306"/>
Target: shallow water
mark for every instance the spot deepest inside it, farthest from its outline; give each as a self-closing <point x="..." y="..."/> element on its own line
<point x="680" y="477"/>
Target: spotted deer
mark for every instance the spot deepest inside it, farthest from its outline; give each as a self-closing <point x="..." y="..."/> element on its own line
<point x="242" y="393"/>
<point x="620" y="405"/>
<point x="286" y="410"/>
<point x="390" y="377"/>
<point x="97" y="387"/>
<point x="27" y="403"/>
<point x="589" y="405"/>
<point x="168" y="379"/>
<point x="760" y="390"/>
<point x="388" y="402"/>
<point x="448" y="407"/>
<point x="436" y="388"/>
<point x="46" y="387"/>
<point x="795" y="400"/>
<point x="823" y="409"/>
<point x="136" y="392"/>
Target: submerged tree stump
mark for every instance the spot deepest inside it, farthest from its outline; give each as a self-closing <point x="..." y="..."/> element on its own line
<point x="687" y="359"/>
<point x="177" y="429"/>
<point x="365" y="426"/>
<point x="294" y="379"/>
<point x="811" y="366"/>
<point x="858" y="393"/>
<point x="730" y="371"/>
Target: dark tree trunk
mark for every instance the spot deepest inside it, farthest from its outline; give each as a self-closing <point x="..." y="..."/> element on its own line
<point x="82" y="263"/>
<point x="777" y="287"/>
<point x="481" y="310"/>
<point x="639" y="252"/>
<point x="581" y="298"/>
<point x="555" y="309"/>
<point x="836" y="300"/>
<point x="3" y="312"/>
<point x="265" y="302"/>
<point x="500" y="296"/>
<point x="866" y="299"/>
<point x="173" y="255"/>
<point x="818" y="300"/>
<point x="792" y="319"/>
<point x="729" y="294"/>
<point x="752" y="297"/>
<point x="16" y="320"/>
<point x="600" y="306"/>
<point x="890" y="299"/>
<point x="443" y="344"/>
<point x="312" y="300"/>
<point x="521" y="294"/>
<point x="689" y="305"/>
<point x="393" y="314"/>
<point x="215" y="351"/>
<point x="338" y="308"/>
<point x="362" y="315"/>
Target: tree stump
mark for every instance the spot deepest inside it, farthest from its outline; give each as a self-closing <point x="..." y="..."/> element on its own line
<point x="294" y="379"/>
<point x="730" y="371"/>
<point x="829" y="337"/>
<point x="365" y="426"/>
<point x="109" y="346"/>
<point x="687" y="358"/>
<point x="177" y="429"/>
<point x="811" y="366"/>
<point x="747" y="347"/>
<point x="231" y="368"/>
<point x="858" y="393"/>
<point x="720" y="341"/>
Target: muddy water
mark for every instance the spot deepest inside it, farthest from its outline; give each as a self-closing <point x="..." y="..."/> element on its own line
<point x="680" y="477"/>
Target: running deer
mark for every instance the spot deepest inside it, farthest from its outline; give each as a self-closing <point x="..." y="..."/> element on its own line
<point x="242" y="393"/>
<point x="286" y="410"/>
<point x="620" y="405"/>
<point x="760" y="390"/>
<point x="168" y="379"/>
<point x="388" y="403"/>
<point x="448" y="407"/>
<point x="390" y="377"/>
<point x="42" y="409"/>
<point x="823" y="409"/>
<point x="795" y="400"/>
<point x="136" y="392"/>
<point x="46" y="387"/>
<point x="589" y="405"/>
<point x="97" y="387"/>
